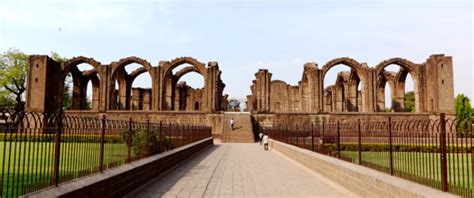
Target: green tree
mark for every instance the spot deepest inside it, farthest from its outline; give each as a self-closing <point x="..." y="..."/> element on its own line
<point x="233" y="105"/>
<point x="13" y="70"/>
<point x="464" y="114"/>
<point x="409" y="101"/>
<point x="6" y="100"/>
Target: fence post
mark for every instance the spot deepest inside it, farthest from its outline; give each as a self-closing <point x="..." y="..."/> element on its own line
<point x="390" y="144"/>
<point x="147" y="149"/>
<point x="161" y="149"/>
<point x="57" y="149"/>
<point x="182" y="135"/>
<point x="312" y="137"/>
<point x="338" y="141"/>
<point x="297" y="135"/>
<point x="442" y="144"/>
<point x="129" y="141"/>
<point x="304" y="136"/>
<point x="102" y="142"/>
<point x="359" y="141"/>
<point x="169" y="133"/>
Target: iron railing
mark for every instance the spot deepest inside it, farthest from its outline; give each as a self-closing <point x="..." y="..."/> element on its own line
<point x="41" y="150"/>
<point x="435" y="152"/>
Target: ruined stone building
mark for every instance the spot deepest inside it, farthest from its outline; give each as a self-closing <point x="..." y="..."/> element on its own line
<point x="360" y="90"/>
<point x="112" y="85"/>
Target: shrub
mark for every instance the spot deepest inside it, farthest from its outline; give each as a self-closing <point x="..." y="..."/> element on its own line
<point x="144" y="144"/>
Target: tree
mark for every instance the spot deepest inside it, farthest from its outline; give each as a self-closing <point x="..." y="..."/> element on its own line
<point x="233" y="105"/>
<point x="409" y="101"/>
<point x="13" y="70"/>
<point x="463" y="115"/>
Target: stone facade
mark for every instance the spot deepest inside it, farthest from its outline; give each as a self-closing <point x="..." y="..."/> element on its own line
<point x="46" y="80"/>
<point x="360" y="90"/>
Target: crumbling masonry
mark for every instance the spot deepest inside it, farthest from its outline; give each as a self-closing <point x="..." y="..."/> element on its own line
<point x="361" y="90"/>
<point x="46" y="81"/>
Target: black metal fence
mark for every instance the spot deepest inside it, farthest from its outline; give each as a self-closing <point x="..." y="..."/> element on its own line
<point x="438" y="153"/>
<point x="42" y="150"/>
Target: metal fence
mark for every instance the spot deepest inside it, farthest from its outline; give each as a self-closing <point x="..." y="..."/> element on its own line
<point x="437" y="152"/>
<point x="43" y="150"/>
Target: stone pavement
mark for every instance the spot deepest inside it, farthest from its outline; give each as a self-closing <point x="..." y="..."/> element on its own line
<point x="240" y="170"/>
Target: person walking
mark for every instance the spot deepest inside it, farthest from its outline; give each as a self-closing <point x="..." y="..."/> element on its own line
<point x="265" y="141"/>
<point x="260" y="136"/>
<point x="232" y="123"/>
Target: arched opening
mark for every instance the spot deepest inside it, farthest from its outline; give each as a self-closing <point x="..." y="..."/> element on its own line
<point x="342" y="89"/>
<point x="183" y="80"/>
<point x="196" y="106"/>
<point x="81" y="87"/>
<point x="189" y="92"/>
<point x="132" y="88"/>
<point x="399" y="95"/>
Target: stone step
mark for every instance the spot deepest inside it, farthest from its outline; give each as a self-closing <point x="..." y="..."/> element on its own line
<point x="243" y="130"/>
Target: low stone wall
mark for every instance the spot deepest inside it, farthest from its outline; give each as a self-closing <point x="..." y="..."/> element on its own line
<point x="119" y="181"/>
<point x="358" y="179"/>
<point x="213" y="120"/>
<point x="271" y="119"/>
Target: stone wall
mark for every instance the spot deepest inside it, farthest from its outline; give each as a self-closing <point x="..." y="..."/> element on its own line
<point x="214" y="120"/>
<point x="360" y="90"/>
<point x="112" y="85"/>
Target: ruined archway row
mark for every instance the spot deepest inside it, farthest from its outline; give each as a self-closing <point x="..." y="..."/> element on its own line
<point x="112" y="85"/>
<point x="433" y="87"/>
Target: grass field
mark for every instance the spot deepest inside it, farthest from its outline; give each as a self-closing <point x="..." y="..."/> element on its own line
<point x="421" y="167"/>
<point x="32" y="167"/>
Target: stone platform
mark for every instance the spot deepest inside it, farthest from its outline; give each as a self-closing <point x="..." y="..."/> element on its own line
<point x="240" y="170"/>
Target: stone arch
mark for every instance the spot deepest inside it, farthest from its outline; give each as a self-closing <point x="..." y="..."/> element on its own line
<point x="120" y="64"/>
<point x="79" y="79"/>
<point x="72" y="63"/>
<point x="92" y="77"/>
<point x="200" y="67"/>
<point x="137" y="73"/>
<point x="406" y="67"/>
<point x="186" y="70"/>
<point x="353" y="64"/>
<point x="358" y="68"/>
<point x="341" y="91"/>
<point x="170" y="80"/>
<point x="354" y="96"/>
<point x="125" y="80"/>
<point x="406" y="64"/>
<point x="382" y="80"/>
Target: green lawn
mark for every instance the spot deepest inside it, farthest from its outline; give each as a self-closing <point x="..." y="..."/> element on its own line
<point x="32" y="167"/>
<point x="421" y="167"/>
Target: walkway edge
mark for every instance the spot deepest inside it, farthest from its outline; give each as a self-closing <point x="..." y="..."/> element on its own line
<point x="361" y="180"/>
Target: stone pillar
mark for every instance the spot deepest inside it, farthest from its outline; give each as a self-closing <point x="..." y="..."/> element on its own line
<point x="369" y="89"/>
<point x="210" y="100"/>
<point x="136" y="98"/>
<point x="146" y="99"/>
<point x="438" y="82"/>
<point x="43" y="85"/>
<point x="263" y="90"/>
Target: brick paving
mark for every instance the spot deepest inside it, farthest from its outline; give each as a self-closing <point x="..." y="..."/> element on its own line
<point x="240" y="170"/>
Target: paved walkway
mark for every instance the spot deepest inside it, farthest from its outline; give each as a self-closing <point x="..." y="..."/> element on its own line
<point x="240" y="170"/>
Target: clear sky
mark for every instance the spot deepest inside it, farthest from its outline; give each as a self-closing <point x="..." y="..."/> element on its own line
<point x="245" y="35"/>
